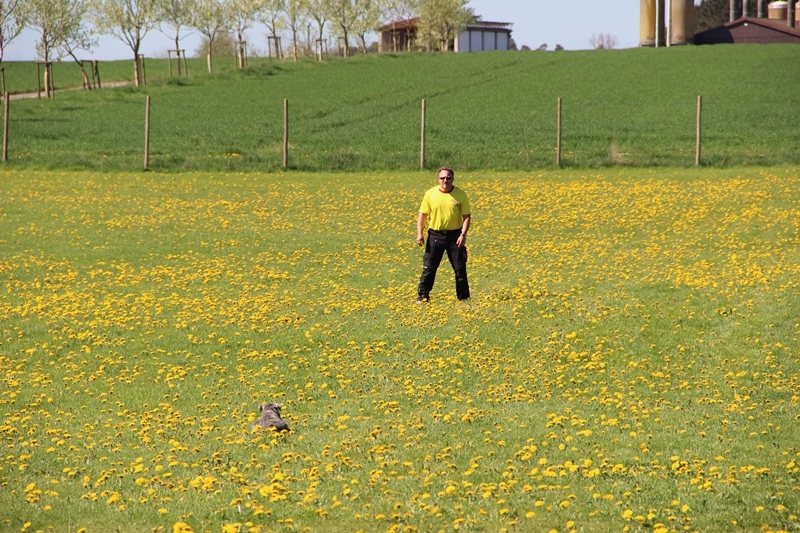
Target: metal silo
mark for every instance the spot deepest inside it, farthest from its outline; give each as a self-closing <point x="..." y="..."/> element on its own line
<point x="682" y="21"/>
<point x="652" y="27"/>
<point x="778" y="10"/>
<point x="647" y="23"/>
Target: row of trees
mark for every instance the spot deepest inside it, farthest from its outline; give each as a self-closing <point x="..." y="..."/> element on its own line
<point x="67" y="26"/>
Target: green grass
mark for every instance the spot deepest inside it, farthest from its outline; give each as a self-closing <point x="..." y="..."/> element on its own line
<point x="495" y="110"/>
<point x="630" y="357"/>
<point x="20" y="76"/>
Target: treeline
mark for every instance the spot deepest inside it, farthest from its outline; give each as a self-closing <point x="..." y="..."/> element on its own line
<point x="714" y="13"/>
<point x="68" y="26"/>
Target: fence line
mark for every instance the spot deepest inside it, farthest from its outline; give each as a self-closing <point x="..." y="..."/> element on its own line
<point x="423" y="122"/>
<point x="424" y="156"/>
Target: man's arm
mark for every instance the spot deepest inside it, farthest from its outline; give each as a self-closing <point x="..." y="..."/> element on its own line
<point x="462" y="239"/>
<point x="421" y="219"/>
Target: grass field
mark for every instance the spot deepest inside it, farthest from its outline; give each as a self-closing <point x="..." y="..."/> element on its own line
<point x="495" y="110"/>
<point x="629" y="360"/>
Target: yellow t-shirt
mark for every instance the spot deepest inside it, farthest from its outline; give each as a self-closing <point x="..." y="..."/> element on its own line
<point x="445" y="210"/>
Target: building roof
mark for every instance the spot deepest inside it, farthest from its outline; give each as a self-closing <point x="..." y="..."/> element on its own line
<point x="412" y="24"/>
<point x="401" y="25"/>
<point x="486" y="25"/>
<point x="750" y="30"/>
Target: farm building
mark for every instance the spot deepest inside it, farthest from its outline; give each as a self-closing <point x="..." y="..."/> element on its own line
<point x="477" y="37"/>
<point x="482" y="36"/>
<point x="750" y="30"/>
<point x="398" y="36"/>
<point x="777" y="24"/>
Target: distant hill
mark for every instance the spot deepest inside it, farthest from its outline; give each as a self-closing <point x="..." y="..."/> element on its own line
<point x="494" y="110"/>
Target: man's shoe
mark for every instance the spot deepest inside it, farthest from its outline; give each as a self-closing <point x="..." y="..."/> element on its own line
<point x="422" y="300"/>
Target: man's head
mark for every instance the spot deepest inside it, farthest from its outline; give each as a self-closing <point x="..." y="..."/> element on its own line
<point x="446" y="176"/>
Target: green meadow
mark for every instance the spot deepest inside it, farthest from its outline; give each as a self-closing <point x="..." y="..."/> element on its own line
<point x="633" y="107"/>
<point x="629" y="360"/>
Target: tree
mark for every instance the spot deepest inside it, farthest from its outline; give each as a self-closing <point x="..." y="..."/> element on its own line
<point x="367" y="19"/>
<point x="176" y="14"/>
<point x="241" y="15"/>
<point x="210" y="19"/>
<point x="12" y="21"/>
<point x="344" y="14"/>
<point x="272" y="17"/>
<point x="295" y="17"/>
<point x="48" y="17"/>
<point x="442" y="20"/>
<point x="321" y="12"/>
<point x="128" y="21"/>
<point x="712" y="13"/>
<point x="76" y="35"/>
<point x="62" y="28"/>
<point x="224" y="46"/>
<point x="603" y="40"/>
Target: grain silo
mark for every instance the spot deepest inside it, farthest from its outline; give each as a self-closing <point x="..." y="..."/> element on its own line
<point x="647" y="23"/>
<point x="652" y="21"/>
<point x="777" y="10"/>
<point x="681" y="22"/>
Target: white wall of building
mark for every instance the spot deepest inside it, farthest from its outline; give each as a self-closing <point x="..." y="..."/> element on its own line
<point x="481" y="41"/>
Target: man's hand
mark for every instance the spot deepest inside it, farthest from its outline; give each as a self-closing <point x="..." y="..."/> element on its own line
<point x="461" y="241"/>
<point x="421" y="219"/>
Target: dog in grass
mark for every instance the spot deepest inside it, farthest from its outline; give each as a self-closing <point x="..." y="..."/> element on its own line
<point x="271" y="417"/>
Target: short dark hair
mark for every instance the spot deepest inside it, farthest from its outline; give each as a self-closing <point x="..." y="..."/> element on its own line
<point x="449" y="172"/>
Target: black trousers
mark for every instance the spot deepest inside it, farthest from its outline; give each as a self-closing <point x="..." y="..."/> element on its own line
<point x="438" y="243"/>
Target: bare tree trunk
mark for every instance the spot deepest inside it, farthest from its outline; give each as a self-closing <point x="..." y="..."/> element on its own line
<point x="47" y="80"/>
<point x="240" y="59"/>
<point x="178" y="52"/>
<point x="137" y="70"/>
<point x="86" y="83"/>
<point x="346" y="43"/>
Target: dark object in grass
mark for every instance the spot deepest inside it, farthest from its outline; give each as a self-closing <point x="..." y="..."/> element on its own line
<point x="271" y="417"/>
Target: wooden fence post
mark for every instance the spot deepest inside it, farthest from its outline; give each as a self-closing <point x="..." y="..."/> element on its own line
<point x="285" y="133"/>
<point x="558" y="134"/>
<point x="698" y="130"/>
<point x="5" y="128"/>
<point x="147" y="134"/>
<point x="422" y="137"/>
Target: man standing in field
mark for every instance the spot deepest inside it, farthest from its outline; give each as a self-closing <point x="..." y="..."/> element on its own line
<point x="446" y="209"/>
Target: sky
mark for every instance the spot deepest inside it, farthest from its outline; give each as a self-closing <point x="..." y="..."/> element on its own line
<point x="535" y="22"/>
